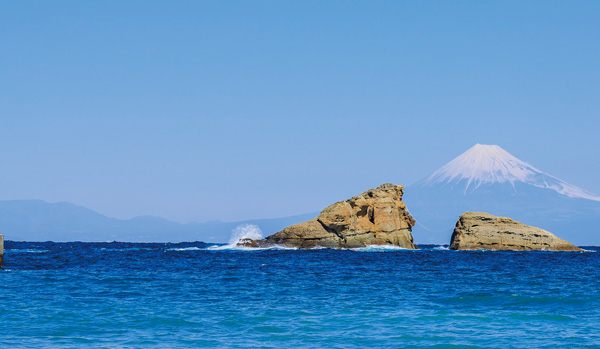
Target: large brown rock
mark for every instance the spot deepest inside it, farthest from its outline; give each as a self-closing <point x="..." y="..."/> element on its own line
<point x="479" y="230"/>
<point x="375" y="217"/>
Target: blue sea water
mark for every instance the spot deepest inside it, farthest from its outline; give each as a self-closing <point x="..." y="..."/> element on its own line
<point x="192" y="295"/>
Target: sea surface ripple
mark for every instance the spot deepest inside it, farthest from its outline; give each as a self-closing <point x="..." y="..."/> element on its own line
<point x="135" y="295"/>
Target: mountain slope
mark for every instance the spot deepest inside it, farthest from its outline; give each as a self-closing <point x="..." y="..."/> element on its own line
<point x="37" y="220"/>
<point x="490" y="164"/>
<point x="487" y="178"/>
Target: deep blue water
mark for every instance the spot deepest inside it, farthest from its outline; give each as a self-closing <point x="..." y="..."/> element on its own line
<point x="183" y="295"/>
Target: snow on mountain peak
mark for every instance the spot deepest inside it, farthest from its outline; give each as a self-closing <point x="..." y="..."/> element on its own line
<point x="488" y="164"/>
<point x="484" y="164"/>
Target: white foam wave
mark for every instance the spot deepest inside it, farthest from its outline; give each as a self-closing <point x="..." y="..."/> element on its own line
<point x="125" y="249"/>
<point x="242" y="248"/>
<point x="186" y="249"/>
<point x="26" y="251"/>
<point x="318" y="248"/>
<point x="380" y="248"/>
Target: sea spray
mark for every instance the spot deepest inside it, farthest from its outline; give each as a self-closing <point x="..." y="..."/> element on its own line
<point x="245" y="231"/>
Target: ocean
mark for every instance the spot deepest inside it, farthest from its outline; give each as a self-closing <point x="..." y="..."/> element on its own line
<point x="193" y="295"/>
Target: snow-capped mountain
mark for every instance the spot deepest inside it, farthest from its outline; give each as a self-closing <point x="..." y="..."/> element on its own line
<point x="488" y="178"/>
<point x="488" y="164"/>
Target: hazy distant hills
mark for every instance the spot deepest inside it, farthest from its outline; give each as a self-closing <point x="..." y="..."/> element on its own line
<point x="487" y="178"/>
<point x="37" y="220"/>
<point x="484" y="178"/>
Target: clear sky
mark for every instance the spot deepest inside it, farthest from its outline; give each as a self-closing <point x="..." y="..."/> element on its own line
<point x="230" y="110"/>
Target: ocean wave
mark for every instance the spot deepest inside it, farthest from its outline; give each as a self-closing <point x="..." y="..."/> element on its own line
<point x="27" y="250"/>
<point x="234" y="247"/>
<point x="245" y="231"/>
<point x="318" y="248"/>
<point x="186" y="249"/>
<point x="368" y="248"/>
<point x="104" y="249"/>
<point x="380" y="248"/>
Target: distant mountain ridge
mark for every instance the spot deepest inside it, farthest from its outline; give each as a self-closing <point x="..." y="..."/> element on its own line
<point x="488" y="178"/>
<point x="37" y="220"/>
<point x="484" y="178"/>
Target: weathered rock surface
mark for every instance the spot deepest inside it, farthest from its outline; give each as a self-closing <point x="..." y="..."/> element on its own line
<point x="479" y="230"/>
<point x="375" y="217"/>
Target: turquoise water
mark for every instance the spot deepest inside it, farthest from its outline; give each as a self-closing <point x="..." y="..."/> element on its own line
<point x="192" y="295"/>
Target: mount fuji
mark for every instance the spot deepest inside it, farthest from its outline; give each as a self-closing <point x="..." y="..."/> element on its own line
<point x="488" y="178"/>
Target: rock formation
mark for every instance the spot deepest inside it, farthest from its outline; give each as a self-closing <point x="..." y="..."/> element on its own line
<point x="1" y="250"/>
<point x="375" y="217"/>
<point x="479" y="230"/>
<point x="247" y="242"/>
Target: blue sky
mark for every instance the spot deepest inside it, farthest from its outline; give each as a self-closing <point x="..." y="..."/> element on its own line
<point x="233" y="110"/>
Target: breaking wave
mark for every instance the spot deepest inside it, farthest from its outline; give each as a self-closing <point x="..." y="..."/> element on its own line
<point x="25" y="250"/>
<point x="186" y="249"/>
<point x="245" y="231"/>
<point x="380" y="248"/>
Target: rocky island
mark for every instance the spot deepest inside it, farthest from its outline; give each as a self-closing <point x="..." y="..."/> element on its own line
<point x="479" y="231"/>
<point x="375" y="217"/>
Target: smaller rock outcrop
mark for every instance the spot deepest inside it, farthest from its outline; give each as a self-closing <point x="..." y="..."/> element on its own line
<point x="1" y="250"/>
<point x="247" y="242"/>
<point x="375" y="217"/>
<point x="483" y="231"/>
